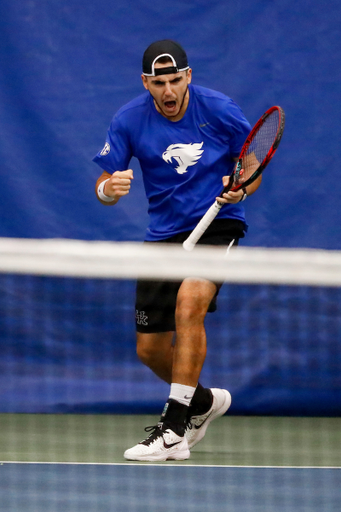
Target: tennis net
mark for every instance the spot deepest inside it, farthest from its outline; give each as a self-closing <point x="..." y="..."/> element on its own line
<point x="74" y="392"/>
<point x="68" y="317"/>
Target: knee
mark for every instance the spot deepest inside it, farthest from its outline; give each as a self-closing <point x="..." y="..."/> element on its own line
<point x="193" y="301"/>
<point x="153" y="349"/>
<point x="144" y="353"/>
<point x="148" y="353"/>
<point x="189" y="312"/>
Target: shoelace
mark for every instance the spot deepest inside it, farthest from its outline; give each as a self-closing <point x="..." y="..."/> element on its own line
<point x="155" y="432"/>
<point x="189" y="425"/>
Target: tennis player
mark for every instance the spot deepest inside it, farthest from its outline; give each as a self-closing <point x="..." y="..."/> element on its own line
<point x="186" y="139"/>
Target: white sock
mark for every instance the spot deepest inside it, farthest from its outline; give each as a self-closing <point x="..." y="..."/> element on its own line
<point x="182" y="394"/>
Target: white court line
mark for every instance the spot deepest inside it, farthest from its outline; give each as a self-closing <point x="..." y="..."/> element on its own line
<point x="143" y="464"/>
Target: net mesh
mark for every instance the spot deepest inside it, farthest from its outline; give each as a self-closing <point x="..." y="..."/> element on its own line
<point x="70" y="377"/>
<point x="67" y="308"/>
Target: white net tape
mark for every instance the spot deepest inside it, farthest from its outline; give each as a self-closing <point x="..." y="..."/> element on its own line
<point x="56" y="257"/>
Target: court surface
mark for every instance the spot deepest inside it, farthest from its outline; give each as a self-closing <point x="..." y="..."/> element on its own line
<point x="75" y="463"/>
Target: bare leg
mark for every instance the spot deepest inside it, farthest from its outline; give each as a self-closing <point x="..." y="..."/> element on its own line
<point x="155" y="350"/>
<point x="194" y="297"/>
<point x="182" y="363"/>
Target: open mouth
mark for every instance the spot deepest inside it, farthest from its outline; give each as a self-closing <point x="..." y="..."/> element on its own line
<point x="170" y="104"/>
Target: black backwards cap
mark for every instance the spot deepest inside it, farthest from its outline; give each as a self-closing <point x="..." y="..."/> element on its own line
<point x="164" y="48"/>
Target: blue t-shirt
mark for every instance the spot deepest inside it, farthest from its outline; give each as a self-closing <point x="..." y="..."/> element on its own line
<point x="182" y="162"/>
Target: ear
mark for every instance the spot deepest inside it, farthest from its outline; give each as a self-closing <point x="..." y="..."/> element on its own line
<point x="189" y="76"/>
<point x="145" y="82"/>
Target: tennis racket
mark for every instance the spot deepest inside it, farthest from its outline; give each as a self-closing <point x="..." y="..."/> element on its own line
<point x="257" y="151"/>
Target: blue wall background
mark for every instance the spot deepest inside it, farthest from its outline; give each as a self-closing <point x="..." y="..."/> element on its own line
<point x="66" y="67"/>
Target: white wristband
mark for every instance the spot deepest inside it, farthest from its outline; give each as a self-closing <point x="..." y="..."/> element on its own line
<point x="244" y="196"/>
<point x="101" y="194"/>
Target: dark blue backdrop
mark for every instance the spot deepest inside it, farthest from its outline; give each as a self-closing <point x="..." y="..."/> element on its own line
<point x="67" y="66"/>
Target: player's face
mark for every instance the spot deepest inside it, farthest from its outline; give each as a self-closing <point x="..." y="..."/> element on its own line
<point x="170" y="92"/>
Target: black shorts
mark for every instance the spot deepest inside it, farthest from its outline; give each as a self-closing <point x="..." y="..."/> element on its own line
<point x="156" y="300"/>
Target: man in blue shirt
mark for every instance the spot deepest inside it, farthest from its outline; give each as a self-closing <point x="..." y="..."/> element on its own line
<point x="187" y="139"/>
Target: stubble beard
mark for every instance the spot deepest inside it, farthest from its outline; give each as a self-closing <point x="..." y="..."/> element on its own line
<point x="181" y="105"/>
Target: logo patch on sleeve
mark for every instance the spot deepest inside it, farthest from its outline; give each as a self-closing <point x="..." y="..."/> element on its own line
<point x="106" y="150"/>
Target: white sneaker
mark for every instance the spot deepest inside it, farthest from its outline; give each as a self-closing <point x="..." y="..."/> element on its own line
<point x="197" y="425"/>
<point x="162" y="444"/>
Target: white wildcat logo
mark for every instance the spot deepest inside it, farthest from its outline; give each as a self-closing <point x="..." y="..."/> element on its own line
<point x="185" y="155"/>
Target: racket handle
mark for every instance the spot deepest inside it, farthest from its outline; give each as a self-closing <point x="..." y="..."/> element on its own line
<point x="201" y="227"/>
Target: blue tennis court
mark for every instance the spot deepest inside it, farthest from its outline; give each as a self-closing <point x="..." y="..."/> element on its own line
<point x="72" y="463"/>
<point x="34" y="487"/>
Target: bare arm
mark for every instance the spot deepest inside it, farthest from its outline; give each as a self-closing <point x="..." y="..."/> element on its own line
<point x="116" y="185"/>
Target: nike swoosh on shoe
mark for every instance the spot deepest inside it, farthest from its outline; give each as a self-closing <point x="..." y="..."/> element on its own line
<point x="199" y="426"/>
<point x="167" y="446"/>
<point x="195" y="430"/>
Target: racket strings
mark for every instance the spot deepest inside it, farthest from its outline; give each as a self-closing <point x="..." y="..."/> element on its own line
<point x="260" y="145"/>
